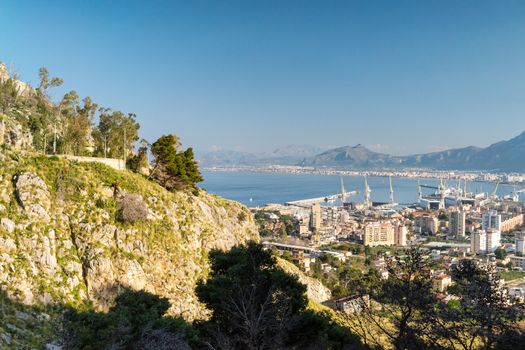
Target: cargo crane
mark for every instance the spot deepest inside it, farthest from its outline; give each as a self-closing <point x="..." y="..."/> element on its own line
<point x="516" y="195"/>
<point x="391" y="191"/>
<point x="368" y="191"/>
<point x="419" y="192"/>
<point x="440" y="191"/>
<point x="493" y="194"/>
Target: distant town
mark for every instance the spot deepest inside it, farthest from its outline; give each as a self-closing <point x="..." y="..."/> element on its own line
<point x="501" y="177"/>
<point x="450" y="224"/>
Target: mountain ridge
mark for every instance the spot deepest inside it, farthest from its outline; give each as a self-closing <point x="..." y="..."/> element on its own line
<point x="508" y="155"/>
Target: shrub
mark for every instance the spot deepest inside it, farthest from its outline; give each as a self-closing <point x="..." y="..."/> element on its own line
<point x="131" y="208"/>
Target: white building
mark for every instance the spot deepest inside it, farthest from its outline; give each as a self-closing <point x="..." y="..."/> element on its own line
<point x="518" y="261"/>
<point x="478" y="242"/>
<point x="483" y="242"/>
<point x="520" y="244"/>
<point x="491" y="221"/>
<point x="493" y="240"/>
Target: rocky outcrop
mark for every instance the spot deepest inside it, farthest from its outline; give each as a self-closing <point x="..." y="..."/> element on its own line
<point x="315" y="290"/>
<point x="23" y="88"/>
<point x="13" y="134"/>
<point x="61" y="240"/>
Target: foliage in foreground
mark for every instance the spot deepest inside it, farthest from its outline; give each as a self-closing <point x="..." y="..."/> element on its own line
<point x="137" y="321"/>
<point x="406" y="313"/>
<point x="256" y="305"/>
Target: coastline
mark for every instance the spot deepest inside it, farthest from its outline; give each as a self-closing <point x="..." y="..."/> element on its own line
<point x="502" y="178"/>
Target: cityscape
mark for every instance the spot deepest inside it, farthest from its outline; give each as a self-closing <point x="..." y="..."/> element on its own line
<point x="449" y="224"/>
<point x="262" y="175"/>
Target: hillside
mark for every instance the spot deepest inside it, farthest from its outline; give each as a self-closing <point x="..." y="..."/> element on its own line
<point x="61" y="240"/>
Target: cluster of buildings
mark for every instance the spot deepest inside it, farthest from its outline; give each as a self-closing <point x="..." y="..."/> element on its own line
<point x="459" y="226"/>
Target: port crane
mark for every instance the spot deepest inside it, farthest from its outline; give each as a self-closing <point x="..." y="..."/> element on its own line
<point x="516" y="195"/>
<point x="493" y="194"/>
<point x="391" y="191"/>
<point x="368" y="191"/>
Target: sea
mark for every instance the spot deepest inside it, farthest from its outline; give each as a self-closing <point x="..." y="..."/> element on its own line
<point x="258" y="189"/>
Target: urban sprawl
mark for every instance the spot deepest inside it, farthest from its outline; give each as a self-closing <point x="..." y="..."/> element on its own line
<point x="450" y="224"/>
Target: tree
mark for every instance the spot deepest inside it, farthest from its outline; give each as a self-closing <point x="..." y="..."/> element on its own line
<point x="400" y="311"/>
<point x="173" y="169"/>
<point x="116" y="134"/>
<point x="256" y="305"/>
<point x="137" y="321"/>
<point x="500" y="253"/>
<point x="484" y="314"/>
<point x="138" y="163"/>
<point x="75" y="121"/>
<point x="46" y="82"/>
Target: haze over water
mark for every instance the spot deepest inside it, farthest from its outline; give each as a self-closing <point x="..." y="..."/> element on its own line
<point x="266" y="188"/>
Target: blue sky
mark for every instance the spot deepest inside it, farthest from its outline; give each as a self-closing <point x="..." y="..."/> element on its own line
<point x="399" y="76"/>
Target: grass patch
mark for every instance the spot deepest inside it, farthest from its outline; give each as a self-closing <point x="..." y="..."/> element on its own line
<point x="511" y="275"/>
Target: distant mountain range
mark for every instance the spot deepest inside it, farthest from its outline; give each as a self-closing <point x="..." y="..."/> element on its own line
<point x="505" y="156"/>
<point x="508" y="156"/>
<point x="289" y="155"/>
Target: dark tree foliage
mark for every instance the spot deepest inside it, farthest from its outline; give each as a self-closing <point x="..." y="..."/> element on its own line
<point x="405" y="313"/>
<point x="405" y="299"/>
<point x="256" y="305"/>
<point x="484" y="311"/>
<point x="137" y="321"/>
<point x="138" y="163"/>
<point x="173" y="169"/>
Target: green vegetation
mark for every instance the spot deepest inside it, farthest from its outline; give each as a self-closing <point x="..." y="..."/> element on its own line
<point x="32" y="325"/>
<point x="280" y="226"/>
<point x="500" y="253"/>
<point x="173" y="169"/>
<point x="403" y="312"/>
<point x="508" y="276"/>
<point x="256" y="305"/>
<point x="137" y="321"/>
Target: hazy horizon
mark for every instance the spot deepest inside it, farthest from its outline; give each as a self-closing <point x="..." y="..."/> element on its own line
<point x="400" y="78"/>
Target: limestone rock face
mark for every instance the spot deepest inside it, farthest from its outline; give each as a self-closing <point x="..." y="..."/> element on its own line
<point x="61" y="240"/>
<point x="315" y="290"/>
<point x="12" y="133"/>
<point x="33" y="195"/>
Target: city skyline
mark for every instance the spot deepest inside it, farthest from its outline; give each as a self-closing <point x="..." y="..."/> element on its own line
<point x="400" y="78"/>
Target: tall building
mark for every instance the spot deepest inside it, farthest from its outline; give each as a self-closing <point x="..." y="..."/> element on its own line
<point x="520" y="244"/>
<point x="483" y="242"/>
<point x="478" y="242"/>
<point x="378" y="233"/>
<point x="315" y="217"/>
<point x="427" y="224"/>
<point x="456" y="227"/>
<point x="493" y="240"/>
<point x="400" y="235"/>
<point x="491" y="221"/>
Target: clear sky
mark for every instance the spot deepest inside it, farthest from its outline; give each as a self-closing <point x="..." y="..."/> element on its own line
<point x="399" y="76"/>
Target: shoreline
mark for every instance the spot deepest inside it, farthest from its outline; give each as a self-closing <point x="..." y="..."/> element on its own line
<point x="478" y="176"/>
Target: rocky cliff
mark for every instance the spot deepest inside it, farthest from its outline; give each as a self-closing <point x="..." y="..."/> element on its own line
<point x="61" y="239"/>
